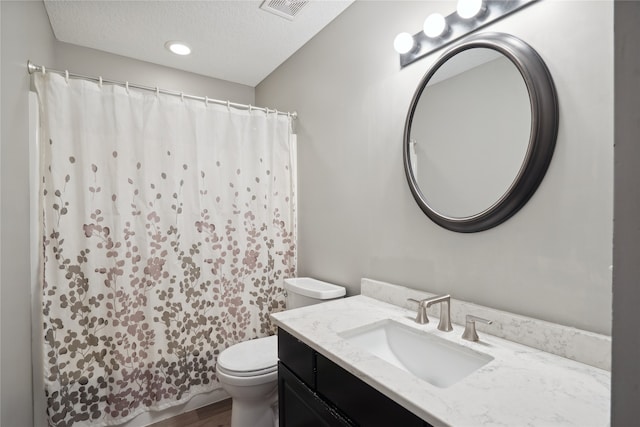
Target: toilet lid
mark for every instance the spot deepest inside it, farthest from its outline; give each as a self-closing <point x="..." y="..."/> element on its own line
<point x="255" y="356"/>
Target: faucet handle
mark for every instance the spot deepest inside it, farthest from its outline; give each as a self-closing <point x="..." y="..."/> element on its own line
<point x="421" y="317"/>
<point x="470" y="333"/>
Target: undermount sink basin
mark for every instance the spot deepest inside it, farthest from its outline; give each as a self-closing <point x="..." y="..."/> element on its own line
<point x="431" y="358"/>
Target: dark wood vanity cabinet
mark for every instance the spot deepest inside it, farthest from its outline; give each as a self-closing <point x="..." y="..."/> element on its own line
<point x="314" y="391"/>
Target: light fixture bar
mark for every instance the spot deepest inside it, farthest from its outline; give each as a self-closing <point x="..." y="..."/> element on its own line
<point x="459" y="27"/>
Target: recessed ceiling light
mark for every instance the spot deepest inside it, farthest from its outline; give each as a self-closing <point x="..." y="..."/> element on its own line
<point x="178" y="48"/>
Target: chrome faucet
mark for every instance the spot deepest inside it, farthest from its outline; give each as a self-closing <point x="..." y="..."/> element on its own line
<point x="470" y="333"/>
<point x="445" y="311"/>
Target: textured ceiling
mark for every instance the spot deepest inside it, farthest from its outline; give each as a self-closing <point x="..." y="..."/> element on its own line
<point x="231" y="40"/>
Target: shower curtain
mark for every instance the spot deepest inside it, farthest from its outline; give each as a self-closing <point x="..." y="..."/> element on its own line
<point x="167" y="227"/>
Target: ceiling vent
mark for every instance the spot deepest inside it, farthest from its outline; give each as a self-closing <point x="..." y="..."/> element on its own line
<point x="287" y="9"/>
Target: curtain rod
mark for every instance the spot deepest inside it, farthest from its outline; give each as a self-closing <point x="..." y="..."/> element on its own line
<point x="34" y="68"/>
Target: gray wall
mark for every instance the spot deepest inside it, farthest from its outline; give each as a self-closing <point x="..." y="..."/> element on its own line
<point x="0" y="215"/>
<point x="356" y="215"/>
<point x="26" y="34"/>
<point x="625" y="391"/>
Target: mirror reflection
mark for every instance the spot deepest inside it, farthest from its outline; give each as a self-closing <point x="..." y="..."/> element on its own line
<point x="470" y="133"/>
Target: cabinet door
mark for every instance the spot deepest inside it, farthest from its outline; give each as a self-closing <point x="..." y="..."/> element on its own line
<point x="299" y="406"/>
<point x="298" y="357"/>
<point x="363" y="404"/>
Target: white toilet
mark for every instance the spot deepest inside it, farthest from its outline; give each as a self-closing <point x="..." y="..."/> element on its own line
<point x="248" y="371"/>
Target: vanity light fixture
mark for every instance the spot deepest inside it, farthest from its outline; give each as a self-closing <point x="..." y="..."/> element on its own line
<point x="179" y="48"/>
<point x="435" y="25"/>
<point x="439" y="31"/>
<point x="468" y="9"/>
<point x="403" y="43"/>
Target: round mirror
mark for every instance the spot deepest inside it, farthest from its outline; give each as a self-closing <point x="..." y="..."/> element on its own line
<point x="480" y="132"/>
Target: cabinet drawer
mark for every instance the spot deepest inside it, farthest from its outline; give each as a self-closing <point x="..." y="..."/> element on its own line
<point x="297" y="356"/>
<point x="360" y="402"/>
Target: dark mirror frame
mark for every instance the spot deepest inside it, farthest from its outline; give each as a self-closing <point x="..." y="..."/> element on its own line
<point x="542" y="140"/>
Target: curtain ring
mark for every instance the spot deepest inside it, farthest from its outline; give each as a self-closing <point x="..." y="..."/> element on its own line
<point x="44" y="70"/>
<point x="126" y="86"/>
<point x="250" y="108"/>
<point x="206" y="101"/>
<point x="182" y="96"/>
<point x="228" y="105"/>
<point x="100" y="81"/>
<point x="66" y="76"/>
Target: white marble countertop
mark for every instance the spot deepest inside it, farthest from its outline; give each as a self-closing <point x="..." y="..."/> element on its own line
<point x="521" y="386"/>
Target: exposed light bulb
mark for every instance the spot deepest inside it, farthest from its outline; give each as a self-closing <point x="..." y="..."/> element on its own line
<point x="178" y="48"/>
<point x="403" y="43"/>
<point x="435" y="25"/>
<point x="467" y="9"/>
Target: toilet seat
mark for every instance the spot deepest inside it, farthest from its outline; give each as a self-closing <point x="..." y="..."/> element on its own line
<point x="248" y="381"/>
<point x="254" y="373"/>
<point x="251" y="358"/>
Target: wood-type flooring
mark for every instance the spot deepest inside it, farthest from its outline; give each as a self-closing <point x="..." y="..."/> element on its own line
<point x="214" y="415"/>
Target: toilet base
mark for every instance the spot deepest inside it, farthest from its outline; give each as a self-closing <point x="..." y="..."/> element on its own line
<point x="253" y="413"/>
<point x="253" y="397"/>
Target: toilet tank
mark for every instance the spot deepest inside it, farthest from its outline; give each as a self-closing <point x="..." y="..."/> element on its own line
<point x="302" y="291"/>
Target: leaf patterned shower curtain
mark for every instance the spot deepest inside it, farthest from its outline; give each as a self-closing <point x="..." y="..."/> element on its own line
<point x="167" y="228"/>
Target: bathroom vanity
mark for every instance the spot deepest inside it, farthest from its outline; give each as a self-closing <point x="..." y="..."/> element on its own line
<point x="328" y="377"/>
